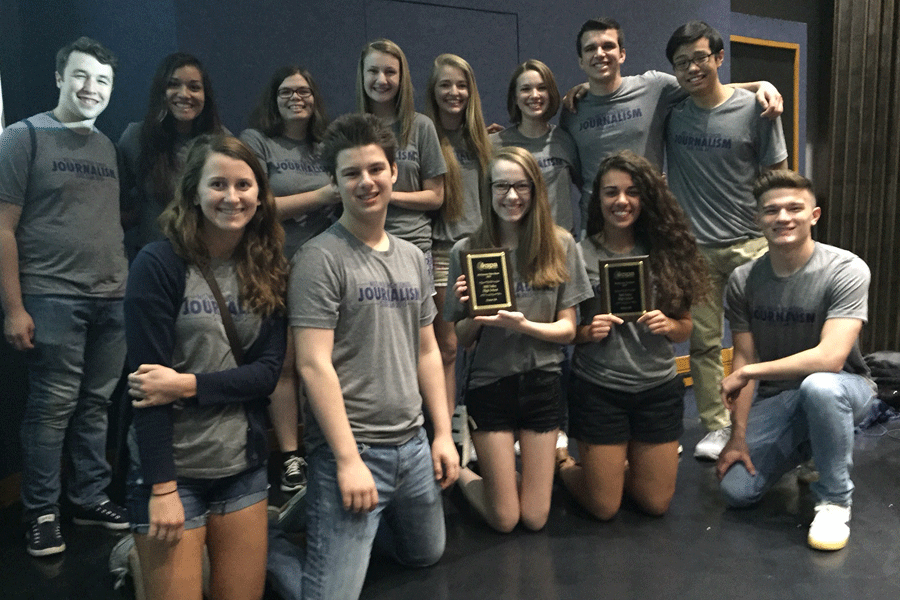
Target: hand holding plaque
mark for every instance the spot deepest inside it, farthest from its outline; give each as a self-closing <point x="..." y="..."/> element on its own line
<point x="625" y="287"/>
<point x="489" y="278"/>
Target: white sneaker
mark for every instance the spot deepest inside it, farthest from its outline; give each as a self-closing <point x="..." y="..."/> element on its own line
<point x="712" y="443"/>
<point x="468" y="455"/>
<point x="830" y="528"/>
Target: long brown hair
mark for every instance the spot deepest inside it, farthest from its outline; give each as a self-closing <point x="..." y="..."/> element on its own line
<point x="541" y="256"/>
<point x="404" y="104"/>
<point x="474" y="134"/>
<point x="680" y="273"/>
<point x="512" y="92"/>
<point x="261" y="266"/>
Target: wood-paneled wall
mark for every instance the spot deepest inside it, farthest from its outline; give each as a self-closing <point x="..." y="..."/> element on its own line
<point x="862" y="191"/>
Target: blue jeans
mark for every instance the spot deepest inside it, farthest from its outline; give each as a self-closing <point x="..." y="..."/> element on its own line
<point x="816" y="420"/>
<point x="79" y="350"/>
<point x="408" y="523"/>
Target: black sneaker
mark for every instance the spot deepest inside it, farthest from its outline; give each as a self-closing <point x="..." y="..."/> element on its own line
<point x="44" y="537"/>
<point x="106" y="514"/>
<point x="293" y="474"/>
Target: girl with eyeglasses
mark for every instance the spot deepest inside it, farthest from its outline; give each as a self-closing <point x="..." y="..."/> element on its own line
<point x="285" y="126"/>
<point x="513" y="385"/>
<point x="626" y="401"/>
<point x="453" y="103"/>
<point x="181" y="106"/>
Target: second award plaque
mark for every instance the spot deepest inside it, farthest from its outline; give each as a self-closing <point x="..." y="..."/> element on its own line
<point x="489" y="276"/>
<point x="625" y="287"/>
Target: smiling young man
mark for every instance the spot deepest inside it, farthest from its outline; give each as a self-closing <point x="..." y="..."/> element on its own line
<point x="795" y="315"/>
<point x="717" y="143"/>
<point x="360" y="310"/>
<point x="62" y="278"/>
<point x="626" y="112"/>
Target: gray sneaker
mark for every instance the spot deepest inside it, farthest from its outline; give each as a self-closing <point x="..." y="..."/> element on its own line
<point x="712" y="443"/>
<point x="293" y="474"/>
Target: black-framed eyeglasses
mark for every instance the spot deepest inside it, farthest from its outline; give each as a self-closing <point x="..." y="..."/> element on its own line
<point x="683" y="64"/>
<point x="287" y="93"/>
<point x="501" y="188"/>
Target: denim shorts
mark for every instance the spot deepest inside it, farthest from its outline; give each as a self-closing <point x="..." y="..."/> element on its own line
<point x="600" y="415"/>
<point x="202" y="497"/>
<point x="523" y="401"/>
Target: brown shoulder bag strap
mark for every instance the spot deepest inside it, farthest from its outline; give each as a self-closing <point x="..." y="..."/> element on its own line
<point x="227" y="321"/>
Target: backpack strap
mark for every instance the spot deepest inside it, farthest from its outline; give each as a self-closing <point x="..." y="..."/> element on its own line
<point x="32" y="133"/>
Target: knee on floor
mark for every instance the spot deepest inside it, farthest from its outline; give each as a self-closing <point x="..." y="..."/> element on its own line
<point x="654" y="505"/>
<point x="425" y="558"/>
<point x="535" y="522"/>
<point x="603" y="509"/>
<point x="504" y="523"/>
<point x="736" y="490"/>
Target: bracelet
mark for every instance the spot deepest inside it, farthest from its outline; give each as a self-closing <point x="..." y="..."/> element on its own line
<point x="164" y="493"/>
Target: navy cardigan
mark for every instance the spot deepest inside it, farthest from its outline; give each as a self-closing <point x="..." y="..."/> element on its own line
<point x="153" y="297"/>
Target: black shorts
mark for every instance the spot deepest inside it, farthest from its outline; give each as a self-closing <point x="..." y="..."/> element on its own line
<point x="602" y="416"/>
<point x="523" y="401"/>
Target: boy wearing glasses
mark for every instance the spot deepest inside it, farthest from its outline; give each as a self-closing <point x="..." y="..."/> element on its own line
<point x="717" y="143"/>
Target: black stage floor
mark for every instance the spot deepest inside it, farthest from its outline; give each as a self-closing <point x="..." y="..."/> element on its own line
<point x="699" y="550"/>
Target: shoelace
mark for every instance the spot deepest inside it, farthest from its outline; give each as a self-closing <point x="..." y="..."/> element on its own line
<point x="293" y="465"/>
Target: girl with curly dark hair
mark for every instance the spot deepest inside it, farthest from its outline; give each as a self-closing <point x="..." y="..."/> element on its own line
<point x="626" y="400"/>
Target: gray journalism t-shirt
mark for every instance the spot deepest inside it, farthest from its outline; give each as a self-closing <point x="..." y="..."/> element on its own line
<point x="375" y="302"/>
<point x="69" y="235"/>
<point x="714" y="157"/>
<point x="419" y="160"/>
<point x="469" y="168"/>
<point x="630" y="358"/>
<point x="558" y="159"/>
<point x="631" y="118"/>
<point x="293" y="169"/>
<point x="210" y="441"/>
<point x="501" y="352"/>
<point x="786" y="314"/>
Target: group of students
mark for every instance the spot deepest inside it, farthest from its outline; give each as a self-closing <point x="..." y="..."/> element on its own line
<point x="327" y="257"/>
